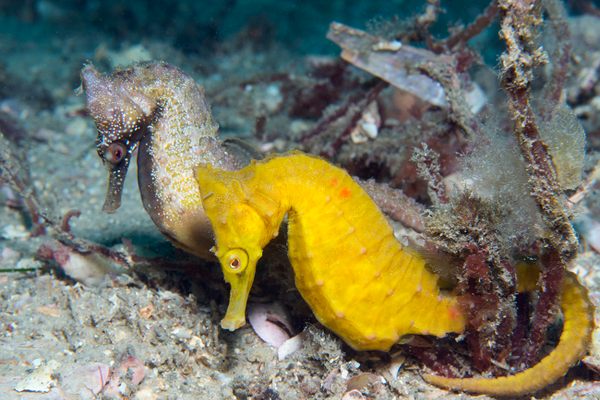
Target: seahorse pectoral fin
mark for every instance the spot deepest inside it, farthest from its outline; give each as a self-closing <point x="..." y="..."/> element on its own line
<point x="241" y="283"/>
<point x="116" y="179"/>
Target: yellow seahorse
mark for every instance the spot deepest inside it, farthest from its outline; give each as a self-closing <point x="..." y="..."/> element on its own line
<point x="358" y="280"/>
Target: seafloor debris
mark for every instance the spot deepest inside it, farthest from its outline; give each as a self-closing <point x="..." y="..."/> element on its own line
<point x="86" y="381"/>
<point x="398" y="64"/>
<point x="41" y="379"/>
<point x="583" y="80"/>
<point x="89" y="268"/>
<point x="125" y="377"/>
<point x="368" y="126"/>
<point x="14" y="174"/>
<point x="270" y="322"/>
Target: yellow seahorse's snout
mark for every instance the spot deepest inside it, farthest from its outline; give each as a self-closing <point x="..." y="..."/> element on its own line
<point x="238" y="268"/>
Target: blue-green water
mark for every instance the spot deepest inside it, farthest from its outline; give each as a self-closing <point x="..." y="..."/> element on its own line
<point x="196" y="26"/>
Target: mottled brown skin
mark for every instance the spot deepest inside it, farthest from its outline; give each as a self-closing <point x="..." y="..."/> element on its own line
<point x="160" y="111"/>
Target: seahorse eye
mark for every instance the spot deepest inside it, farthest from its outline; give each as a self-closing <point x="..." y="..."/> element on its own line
<point x="236" y="260"/>
<point x="115" y="153"/>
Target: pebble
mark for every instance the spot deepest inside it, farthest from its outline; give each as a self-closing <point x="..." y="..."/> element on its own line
<point x="40" y="380"/>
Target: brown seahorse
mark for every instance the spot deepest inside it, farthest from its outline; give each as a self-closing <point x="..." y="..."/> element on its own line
<point x="359" y="281"/>
<point x="160" y="111"/>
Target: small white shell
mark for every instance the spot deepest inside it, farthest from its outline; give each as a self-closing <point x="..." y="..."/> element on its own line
<point x="384" y="45"/>
<point x="290" y="346"/>
<point x="368" y="125"/>
<point x="270" y="322"/>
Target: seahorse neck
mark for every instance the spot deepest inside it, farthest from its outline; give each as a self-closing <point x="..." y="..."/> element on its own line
<point x="183" y="119"/>
<point x="181" y="136"/>
<point x="174" y="143"/>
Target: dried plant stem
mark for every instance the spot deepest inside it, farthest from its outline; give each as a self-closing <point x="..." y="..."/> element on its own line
<point x="424" y="21"/>
<point x="428" y="168"/>
<point x="353" y="109"/>
<point x="370" y="96"/>
<point x="520" y="22"/>
<point x="471" y="30"/>
<point x="557" y="14"/>
<point x="458" y="110"/>
<point x="547" y="305"/>
<point x="329" y="119"/>
<point x="436" y="358"/>
<point x="583" y="191"/>
<point x="15" y="174"/>
<point x="395" y="204"/>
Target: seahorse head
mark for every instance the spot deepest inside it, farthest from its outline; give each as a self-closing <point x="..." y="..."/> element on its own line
<point x="122" y="114"/>
<point x="243" y="222"/>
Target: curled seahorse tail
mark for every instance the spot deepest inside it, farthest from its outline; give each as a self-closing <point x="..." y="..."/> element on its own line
<point x="572" y="346"/>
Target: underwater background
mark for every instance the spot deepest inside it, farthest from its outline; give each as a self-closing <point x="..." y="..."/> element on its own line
<point x="111" y="305"/>
<point x="198" y="26"/>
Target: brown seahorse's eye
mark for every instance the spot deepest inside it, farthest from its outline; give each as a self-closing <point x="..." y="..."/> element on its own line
<point x="115" y="153"/>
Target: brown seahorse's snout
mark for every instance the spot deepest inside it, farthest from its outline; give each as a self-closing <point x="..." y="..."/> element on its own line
<point x="116" y="179"/>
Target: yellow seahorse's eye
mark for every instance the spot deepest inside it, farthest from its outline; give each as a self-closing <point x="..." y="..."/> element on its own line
<point x="236" y="260"/>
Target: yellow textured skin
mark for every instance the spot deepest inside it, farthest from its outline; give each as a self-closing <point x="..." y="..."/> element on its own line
<point x="356" y="277"/>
